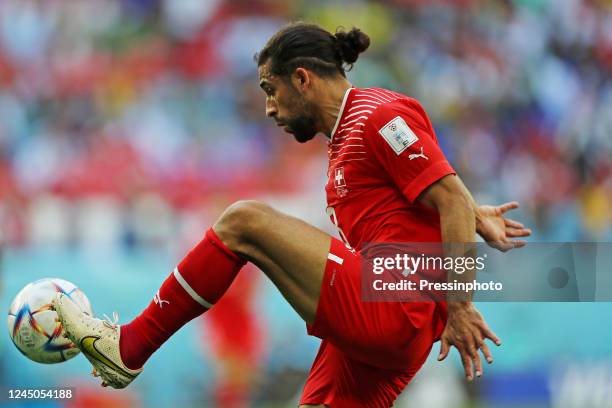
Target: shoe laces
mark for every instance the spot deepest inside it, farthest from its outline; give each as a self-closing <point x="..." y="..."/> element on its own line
<point x="111" y="323"/>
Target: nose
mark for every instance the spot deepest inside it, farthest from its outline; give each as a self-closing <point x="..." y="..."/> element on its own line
<point x="271" y="109"/>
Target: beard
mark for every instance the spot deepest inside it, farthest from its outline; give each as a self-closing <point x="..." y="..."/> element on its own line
<point x="303" y="128"/>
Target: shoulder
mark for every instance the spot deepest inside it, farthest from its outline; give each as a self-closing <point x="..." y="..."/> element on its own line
<point x="387" y="105"/>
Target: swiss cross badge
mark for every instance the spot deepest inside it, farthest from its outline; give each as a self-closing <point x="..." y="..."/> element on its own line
<point x="340" y="182"/>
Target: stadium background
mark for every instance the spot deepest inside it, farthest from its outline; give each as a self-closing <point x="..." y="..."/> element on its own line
<point x="127" y="126"/>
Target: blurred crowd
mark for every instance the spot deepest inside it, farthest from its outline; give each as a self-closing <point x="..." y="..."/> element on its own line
<point x="133" y="122"/>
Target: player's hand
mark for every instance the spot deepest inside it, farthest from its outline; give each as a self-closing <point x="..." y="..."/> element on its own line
<point x="499" y="231"/>
<point x="467" y="331"/>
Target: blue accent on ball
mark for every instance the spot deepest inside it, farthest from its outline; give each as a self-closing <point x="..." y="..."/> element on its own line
<point x="25" y="309"/>
<point x="59" y="289"/>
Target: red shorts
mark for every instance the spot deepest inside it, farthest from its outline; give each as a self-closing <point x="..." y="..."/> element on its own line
<point x="370" y="350"/>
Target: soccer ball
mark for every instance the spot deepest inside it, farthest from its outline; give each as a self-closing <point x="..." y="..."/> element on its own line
<point x="33" y="325"/>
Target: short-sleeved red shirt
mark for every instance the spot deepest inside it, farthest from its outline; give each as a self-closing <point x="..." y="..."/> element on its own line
<point x="382" y="154"/>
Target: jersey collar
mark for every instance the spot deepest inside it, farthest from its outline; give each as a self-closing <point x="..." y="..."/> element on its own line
<point x="341" y="112"/>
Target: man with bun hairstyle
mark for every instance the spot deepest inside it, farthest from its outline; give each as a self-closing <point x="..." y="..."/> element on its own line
<point x="388" y="182"/>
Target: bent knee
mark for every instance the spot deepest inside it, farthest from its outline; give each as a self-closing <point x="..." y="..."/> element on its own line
<point x="246" y="208"/>
<point x="240" y="220"/>
<point x="243" y="214"/>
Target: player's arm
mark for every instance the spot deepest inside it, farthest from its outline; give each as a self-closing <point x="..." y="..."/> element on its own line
<point x="465" y="327"/>
<point x="403" y="142"/>
<point x="413" y="176"/>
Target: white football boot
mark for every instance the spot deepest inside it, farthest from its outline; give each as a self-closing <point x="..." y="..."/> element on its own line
<point x="98" y="340"/>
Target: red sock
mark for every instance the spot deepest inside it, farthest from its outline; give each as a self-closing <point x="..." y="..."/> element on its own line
<point x="198" y="282"/>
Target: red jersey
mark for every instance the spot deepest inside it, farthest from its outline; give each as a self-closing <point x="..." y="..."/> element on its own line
<point x="383" y="154"/>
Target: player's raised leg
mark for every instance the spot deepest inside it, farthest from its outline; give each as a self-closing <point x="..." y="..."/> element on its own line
<point x="291" y="252"/>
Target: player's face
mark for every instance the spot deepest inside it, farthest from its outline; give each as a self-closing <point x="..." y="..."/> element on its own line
<point x="287" y="106"/>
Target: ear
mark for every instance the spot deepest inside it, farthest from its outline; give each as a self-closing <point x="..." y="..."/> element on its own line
<point x="301" y="79"/>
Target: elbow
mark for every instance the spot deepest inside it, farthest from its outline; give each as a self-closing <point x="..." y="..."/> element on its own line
<point x="447" y="196"/>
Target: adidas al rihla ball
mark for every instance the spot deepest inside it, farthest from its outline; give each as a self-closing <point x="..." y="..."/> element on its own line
<point x="34" y="326"/>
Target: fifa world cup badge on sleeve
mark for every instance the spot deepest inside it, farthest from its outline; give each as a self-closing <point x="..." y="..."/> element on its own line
<point x="398" y="134"/>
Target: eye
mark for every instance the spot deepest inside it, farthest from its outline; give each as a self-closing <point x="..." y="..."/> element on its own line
<point x="268" y="89"/>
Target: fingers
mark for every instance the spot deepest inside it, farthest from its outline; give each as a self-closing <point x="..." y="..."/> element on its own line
<point x="488" y="334"/>
<point x="515" y="233"/>
<point x="513" y="224"/>
<point x="486" y="352"/>
<point x="506" y="244"/>
<point x="467" y="344"/>
<point x="469" y="357"/>
<point x="502" y="246"/>
<point x="467" y="364"/>
<point x="477" y="362"/>
<point x="467" y="332"/>
<point x="516" y="229"/>
<point x="444" y="349"/>
<point x="470" y="353"/>
<point x="472" y="349"/>
<point x="471" y="360"/>
<point x="508" y="206"/>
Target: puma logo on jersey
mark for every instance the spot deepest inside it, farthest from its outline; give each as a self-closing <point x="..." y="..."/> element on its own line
<point x="159" y="301"/>
<point x="416" y="156"/>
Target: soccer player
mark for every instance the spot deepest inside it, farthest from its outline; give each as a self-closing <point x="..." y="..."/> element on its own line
<point x="388" y="182"/>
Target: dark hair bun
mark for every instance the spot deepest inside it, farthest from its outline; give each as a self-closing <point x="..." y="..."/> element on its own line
<point x="351" y="44"/>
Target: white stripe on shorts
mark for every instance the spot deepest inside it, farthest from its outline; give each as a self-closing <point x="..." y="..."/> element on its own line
<point x="190" y="290"/>
<point x="335" y="258"/>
